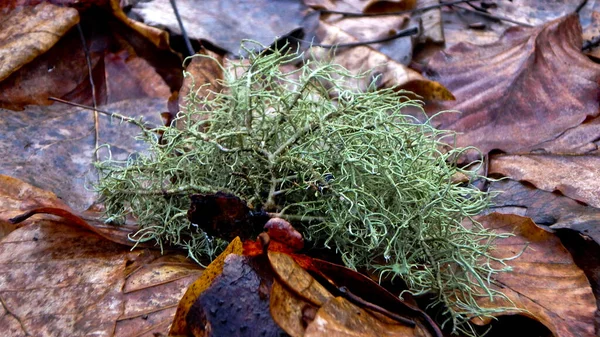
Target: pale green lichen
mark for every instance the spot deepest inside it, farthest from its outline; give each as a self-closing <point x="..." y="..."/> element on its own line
<point x="347" y="168"/>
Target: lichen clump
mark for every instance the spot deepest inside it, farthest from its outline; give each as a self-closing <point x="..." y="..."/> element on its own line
<point x="346" y="167"/>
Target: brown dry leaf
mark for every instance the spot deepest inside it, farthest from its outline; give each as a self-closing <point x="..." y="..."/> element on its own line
<point x="151" y="292"/>
<point x="53" y="147"/>
<point x="431" y="20"/>
<point x="130" y="77"/>
<point x="157" y="37"/>
<point x="298" y="280"/>
<point x="27" y="32"/>
<point x="214" y="269"/>
<point x="60" y="72"/>
<point x="574" y="176"/>
<point x="341" y="318"/>
<point x="289" y="311"/>
<point x="60" y="280"/>
<point x="544" y="280"/>
<point x="504" y="89"/>
<point x="16" y="197"/>
<point x="362" y="58"/>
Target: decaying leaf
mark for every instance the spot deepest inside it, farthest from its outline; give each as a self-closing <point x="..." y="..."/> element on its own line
<point x="16" y="197"/>
<point x="545" y="208"/>
<point x="545" y="282"/>
<point x="574" y="176"/>
<point x="60" y="142"/>
<point x="58" y="280"/>
<point x="237" y="302"/>
<point x="226" y="23"/>
<point x="505" y="89"/>
<point x="27" y="32"/>
<point x="363" y="58"/>
<point x="213" y="270"/>
<point x="341" y="318"/>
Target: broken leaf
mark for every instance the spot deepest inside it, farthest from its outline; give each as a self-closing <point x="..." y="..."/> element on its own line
<point x="504" y="89"/>
<point x="544" y="281"/>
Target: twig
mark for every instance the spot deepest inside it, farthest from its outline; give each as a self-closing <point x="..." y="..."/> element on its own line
<point x="589" y="44"/>
<point x="188" y="44"/>
<point x="91" y="78"/>
<point x="495" y="17"/>
<point x="402" y="33"/>
<point x="146" y="126"/>
<point x="408" y="11"/>
<point x="580" y="6"/>
<point x="368" y="305"/>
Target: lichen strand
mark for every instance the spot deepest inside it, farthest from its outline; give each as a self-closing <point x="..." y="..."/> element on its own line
<point x="348" y="168"/>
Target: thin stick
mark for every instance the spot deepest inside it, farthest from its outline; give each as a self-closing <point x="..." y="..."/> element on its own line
<point x="402" y="33"/>
<point x="374" y="307"/>
<point x="91" y="78"/>
<point x="107" y="113"/>
<point x="408" y="11"/>
<point x="188" y="44"/>
<point x="496" y="17"/>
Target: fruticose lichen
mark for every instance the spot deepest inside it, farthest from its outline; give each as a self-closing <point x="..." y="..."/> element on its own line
<point x="346" y="167"/>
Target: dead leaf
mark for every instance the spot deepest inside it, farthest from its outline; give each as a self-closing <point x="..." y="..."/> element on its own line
<point x="53" y="147"/>
<point x="298" y="280"/>
<point x="46" y="266"/>
<point x="213" y="270"/>
<point x="16" y="197"/>
<point x="530" y="11"/>
<point x="363" y="58"/>
<point x="237" y="302"/>
<point x="591" y="32"/>
<point x="152" y="289"/>
<point x="226" y="23"/>
<point x="341" y="318"/>
<point x="544" y="280"/>
<point x="545" y="208"/>
<point x="289" y="311"/>
<point x="574" y="176"/>
<point x="27" y="32"/>
<point x="431" y="20"/>
<point x="504" y="89"/>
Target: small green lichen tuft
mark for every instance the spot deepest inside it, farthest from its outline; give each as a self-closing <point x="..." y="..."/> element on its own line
<point x="347" y="168"/>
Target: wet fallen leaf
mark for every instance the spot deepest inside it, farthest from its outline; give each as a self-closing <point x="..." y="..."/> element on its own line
<point x="59" y="280"/>
<point x="60" y="142"/>
<point x="545" y="208"/>
<point x="544" y="280"/>
<point x="363" y="58"/>
<point x="27" y="32"/>
<point x="213" y="270"/>
<point x="152" y="290"/>
<point x="237" y="302"/>
<point x="574" y="176"/>
<point x="17" y="197"/>
<point x="226" y="23"/>
<point x="298" y="280"/>
<point x="291" y="312"/>
<point x="504" y="89"/>
<point x="530" y="11"/>
<point x="341" y="318"/>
